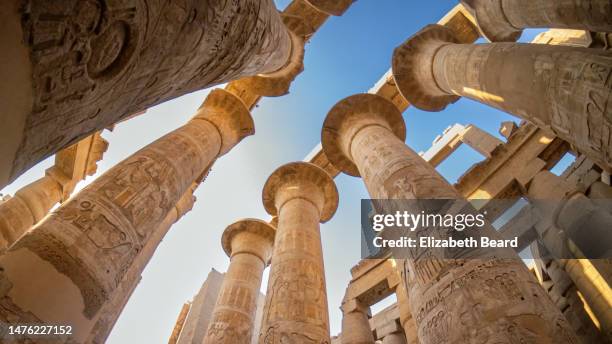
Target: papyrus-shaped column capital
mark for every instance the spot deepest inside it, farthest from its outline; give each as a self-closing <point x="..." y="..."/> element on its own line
<point x="277" y="83"/>
<point x="413" y="68"/>
<point x="301" y="180"/>
<point x="562" y="89"/>
<point x="504" y="20"/>
<point x="348" y="117"/>
<point x="249" y="244"/>
<point x="229" y="115"/>
<point x="251" y="236"/>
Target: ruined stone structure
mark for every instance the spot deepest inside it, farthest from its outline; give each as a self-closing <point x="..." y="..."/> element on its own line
<point x="74" y="68"/>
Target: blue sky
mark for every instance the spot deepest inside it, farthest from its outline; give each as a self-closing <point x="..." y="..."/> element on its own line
<point x="348" y="55"/>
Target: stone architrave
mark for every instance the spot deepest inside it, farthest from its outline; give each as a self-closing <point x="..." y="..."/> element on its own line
<point x="302" y="195"/>
<point x="558" y="88"/>
<point x="504" y="20"/>
<point x="331" y="7"/>
<point x="68" y="267"/>
<point x="249" y="244"/>
<point x="355" y="324"/>
<point x="453" y="301"/>
<point x="72" y="67"/>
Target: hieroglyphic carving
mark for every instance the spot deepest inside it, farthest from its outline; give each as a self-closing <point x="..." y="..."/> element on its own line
<point x="96" y="62"/>
<point x="94" y="238"/>
<point x="301" y="195"/>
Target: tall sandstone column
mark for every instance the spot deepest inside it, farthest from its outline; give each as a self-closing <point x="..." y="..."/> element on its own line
<point x="68" y="267"/>
<point x="479" y="300"/>
<point x="110" y="312"/>
<point x="71" y="67"/>
<point x="406" y="318"/>
<point x="249" y="244"/>
<point x="302" y="195"/>
<point x="33" y="202"/>
<point x="504" y="20"/>
<point x="560" y="88"/>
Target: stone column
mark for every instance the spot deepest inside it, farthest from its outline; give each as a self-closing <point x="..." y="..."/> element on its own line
<point x="355" y="324"/>
<point x="504" y="20"/>
<point x="302" y="195"/>
<point x="110" y="312"/>
<point x="68" y="267"/>
<point x="406" y="318"/>
<point x="81" y="66"/>
<point x="569" y="213"/>
<point x="395" y="338"/>
<point x="563" y="89"/>
<point x="28" y="206"/>
<point x="595" y="289"/>
<point x="33" y="202"/>
<point x="248" y="243"/>
<point x="455" y="300"/>
<point x="566" y="221"/>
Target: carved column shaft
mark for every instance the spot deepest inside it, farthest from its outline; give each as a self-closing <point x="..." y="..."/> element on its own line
<point x="448" y="298"/>
<point x="568" y="219"/>
<point x="595" y="289"/>
<point x="33" y="202"/>
<point x="80" y="66"/>
<point x="560" y="88"/>
<point x="504" y="20"/>
<point x="249" y="244"/>
<point x="114" y="307"/>
<point x="406" y="318"/>
<point x="81" y="252"/>
<point x="301" y="195"/>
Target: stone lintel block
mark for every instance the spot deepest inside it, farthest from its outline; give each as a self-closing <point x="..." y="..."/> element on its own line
<point x="229" y="115"/>
<point x="387" y="329"/>
<point x="507" y="128"/>
<point x="413" y="65"/>
<point x="331" y="7"/>
<point x="251" y="236"/>
<point x="301" y="180"/>
<point x="348" y="117"/>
